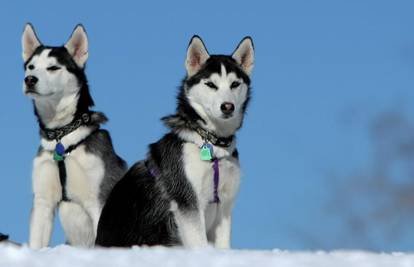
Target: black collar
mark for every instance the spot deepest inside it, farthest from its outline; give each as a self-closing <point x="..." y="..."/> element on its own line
<point x="211" y="137"/>
<point x="59" y="133"/>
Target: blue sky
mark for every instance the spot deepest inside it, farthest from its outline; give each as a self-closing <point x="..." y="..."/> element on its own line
<point x="323" y="70"/>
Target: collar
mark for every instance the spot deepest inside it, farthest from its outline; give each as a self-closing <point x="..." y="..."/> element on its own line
<point x="59" y="133"/>
<point x="212" y="137"/>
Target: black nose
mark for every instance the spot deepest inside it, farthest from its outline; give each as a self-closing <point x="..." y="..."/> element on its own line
<point x="30" y="81"/>
<point x="227" y="108"/>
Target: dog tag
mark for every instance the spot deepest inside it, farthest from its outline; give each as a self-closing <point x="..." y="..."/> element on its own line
<point x="206" y="152"/>
<point x="59" y="152"/>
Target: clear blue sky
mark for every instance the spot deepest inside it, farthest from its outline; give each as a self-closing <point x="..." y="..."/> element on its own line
<point x="323" y="70"/>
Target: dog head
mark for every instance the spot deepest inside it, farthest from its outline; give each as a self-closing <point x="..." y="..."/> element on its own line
<point x="218" y="87"/>
<point x="53" y="72"/>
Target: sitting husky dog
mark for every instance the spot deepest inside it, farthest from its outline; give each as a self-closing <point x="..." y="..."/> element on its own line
<point x="183" y="193"/>
<point x="76" y="166"/>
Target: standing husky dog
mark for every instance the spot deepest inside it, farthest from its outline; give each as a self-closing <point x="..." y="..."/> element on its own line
<point x="183" y="193"/>
<point x="76" y="165"/>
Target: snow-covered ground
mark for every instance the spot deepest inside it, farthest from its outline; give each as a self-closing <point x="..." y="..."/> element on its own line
<point x="63" y="256"/>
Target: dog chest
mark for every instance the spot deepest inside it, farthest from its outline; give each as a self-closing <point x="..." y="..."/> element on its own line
<point x="85" y="174"/>
<point x="84" y="171"/>
<point x="201" y="175"/>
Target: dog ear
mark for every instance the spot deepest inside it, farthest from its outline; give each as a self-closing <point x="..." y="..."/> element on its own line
<point x="29" y="41"/>
<point x="197" y="55"/>
<point x="244" y="55"/>
<point x="77" y="45"/>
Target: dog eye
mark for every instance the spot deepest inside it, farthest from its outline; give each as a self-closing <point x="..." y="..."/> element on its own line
<point x="211" y="85"/>
<point x="234" y="85"/>
<point x="30" y="67"/>
<point x="53" y="68"/>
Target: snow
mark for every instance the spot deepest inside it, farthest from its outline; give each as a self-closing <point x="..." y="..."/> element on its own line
<point x="62" y="256"/>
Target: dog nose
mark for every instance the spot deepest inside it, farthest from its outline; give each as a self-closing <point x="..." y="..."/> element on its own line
<point x="30" y="81"/>
<point x="227" y="108"/>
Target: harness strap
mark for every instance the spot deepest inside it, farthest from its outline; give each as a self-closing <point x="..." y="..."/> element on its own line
<point x="60" y="151"/>
<point x="216" y="180"/>
<point x="62" y="178"/>
<point x="62" y="167"/>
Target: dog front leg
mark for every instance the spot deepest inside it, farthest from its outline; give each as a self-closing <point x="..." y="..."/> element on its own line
<point x="41" y="223"/>
<point x="191" y="228"/>
<point x="220" y="234"/>
<point x="94" y="210"/>
<point x="47" y="193"/>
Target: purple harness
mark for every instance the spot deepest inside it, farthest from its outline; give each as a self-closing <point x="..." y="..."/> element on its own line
<point x="154" y="173"/>
<point x="216" y="180"/>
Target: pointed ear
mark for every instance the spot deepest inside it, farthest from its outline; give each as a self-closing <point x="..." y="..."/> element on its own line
<point x="197" y="55"/>
<point x="77" y="45"/>
<point x="244" y="55"/>
<point x="29" y="41"/>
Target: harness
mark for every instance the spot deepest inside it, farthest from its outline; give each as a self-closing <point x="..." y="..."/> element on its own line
<point x="60" y="151"/>
<point x="206" y="154"/>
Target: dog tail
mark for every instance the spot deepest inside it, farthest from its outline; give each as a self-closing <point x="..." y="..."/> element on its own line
<point x="5" y="239"/>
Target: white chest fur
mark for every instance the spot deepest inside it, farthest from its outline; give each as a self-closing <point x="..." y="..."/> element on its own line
<point x="84" y="171"/>
<point x="201" y="176"/>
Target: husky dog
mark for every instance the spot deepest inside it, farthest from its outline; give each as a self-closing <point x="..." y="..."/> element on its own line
<point x="76" y="166"/>
<point x="183" y="192"/>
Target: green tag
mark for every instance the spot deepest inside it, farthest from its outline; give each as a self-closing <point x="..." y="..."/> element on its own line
<point x="57" y="157"/>
<point x="206" y="152"/>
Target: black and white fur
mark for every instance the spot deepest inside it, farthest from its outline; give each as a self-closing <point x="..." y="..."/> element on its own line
<point x="56" y="82"/>
<point x="173" y="206"/>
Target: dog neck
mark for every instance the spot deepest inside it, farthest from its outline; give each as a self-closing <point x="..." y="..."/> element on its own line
<point x="185" y="129"/>
<point x="78" y="131"/>
<point x="192" y="136"/>
<point x="56" y="111"/>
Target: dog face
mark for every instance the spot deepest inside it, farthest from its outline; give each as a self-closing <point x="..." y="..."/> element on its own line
<point x="217" y="87"/>
<point x="52" y="71"/>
